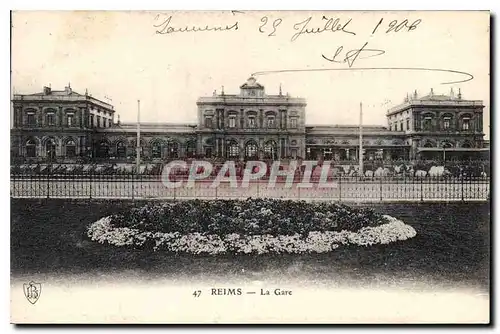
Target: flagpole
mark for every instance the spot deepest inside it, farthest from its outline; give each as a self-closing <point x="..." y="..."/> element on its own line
<point x="361" y="139"/>
<point x="138" y="146"/>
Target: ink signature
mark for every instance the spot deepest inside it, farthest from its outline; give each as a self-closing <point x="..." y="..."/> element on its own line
<point x="352" y="55"/>
<point x="330" y="25"/>
<point x="166" y="28"/>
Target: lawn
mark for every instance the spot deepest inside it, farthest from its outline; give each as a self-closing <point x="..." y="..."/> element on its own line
<point x="451" y="248"/>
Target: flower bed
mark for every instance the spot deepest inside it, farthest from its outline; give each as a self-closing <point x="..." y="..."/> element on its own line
<point x="251" y="226"/>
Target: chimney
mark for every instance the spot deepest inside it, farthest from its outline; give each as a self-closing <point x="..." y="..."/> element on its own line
<point x="452" y="93"/>
<point x="459" y="94"/>
<point x="415" y="94"/>
<point x="46" y="90"/>
<point x="118" y="119"/>
<point x="432" y="92"/>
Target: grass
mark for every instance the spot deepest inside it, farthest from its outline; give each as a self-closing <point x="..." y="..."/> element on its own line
<point x="451" y="247"/>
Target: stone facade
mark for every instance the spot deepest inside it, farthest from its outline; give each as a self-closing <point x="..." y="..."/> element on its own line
<point x="63" y="125"/>
<point x="57" y="124"/>
<point x="440" y="125"/>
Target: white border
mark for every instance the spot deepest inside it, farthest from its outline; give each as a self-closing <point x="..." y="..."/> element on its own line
<point x="186" y="4"/>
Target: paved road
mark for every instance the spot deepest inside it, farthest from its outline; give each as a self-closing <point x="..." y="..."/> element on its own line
<point x="369" y="191"/>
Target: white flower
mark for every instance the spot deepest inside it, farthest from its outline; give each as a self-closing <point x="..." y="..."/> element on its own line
<point x="103" y="231"/>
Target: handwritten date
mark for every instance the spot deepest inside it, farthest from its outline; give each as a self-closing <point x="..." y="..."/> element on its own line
<point x="331" y="25"/>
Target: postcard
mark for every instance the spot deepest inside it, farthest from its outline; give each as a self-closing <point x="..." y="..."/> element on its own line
<point x="250" y="167"/>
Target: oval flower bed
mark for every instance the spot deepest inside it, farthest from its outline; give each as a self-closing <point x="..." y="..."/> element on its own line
<point x="250" y="226"/>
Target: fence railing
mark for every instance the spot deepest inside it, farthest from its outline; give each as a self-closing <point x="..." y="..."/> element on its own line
<point x="334" y="188"/>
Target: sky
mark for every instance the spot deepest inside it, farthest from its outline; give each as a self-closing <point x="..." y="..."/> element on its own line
<point x="121" y="55"/>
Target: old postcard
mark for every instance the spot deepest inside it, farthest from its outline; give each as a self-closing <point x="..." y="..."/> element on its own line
<point x="250" y="167"/>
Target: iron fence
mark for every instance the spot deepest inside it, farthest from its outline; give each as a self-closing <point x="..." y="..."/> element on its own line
<point x="334" y="188"/>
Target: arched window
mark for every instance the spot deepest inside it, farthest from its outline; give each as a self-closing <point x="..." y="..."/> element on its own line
<point x="172" y="149"/>
<point x="251" y="149"/>
<point x="121" y="150"/>
<point x="447" y="144"/>
<point x="428" y="144"/>
<point x="270" y="150"/>
<point x="50" y="149"/>
<point x="70" y="148"/>
<point x="466" y="144"/>
<point x="232" y="149"/>
<point x="30" y="148"/>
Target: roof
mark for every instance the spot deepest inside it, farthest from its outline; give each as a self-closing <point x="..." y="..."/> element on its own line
<point x="436" y="97"/>
<point x="56" y="93"/>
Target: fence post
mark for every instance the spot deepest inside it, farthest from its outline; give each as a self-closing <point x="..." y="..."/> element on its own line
<point x="462" y="185"/>
<point x="381" y="189"/>
<point x="132" y="178"/>
<point x="48" y="182"/>
<point x="90" y="183"/>
<point x="340" y="187"/>
<point x="421" y="189"/>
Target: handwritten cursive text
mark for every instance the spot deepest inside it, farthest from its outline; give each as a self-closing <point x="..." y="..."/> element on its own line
<point x="330" y="25"/>
<point x="164" y="27"/>
<point x="352" y="55"/>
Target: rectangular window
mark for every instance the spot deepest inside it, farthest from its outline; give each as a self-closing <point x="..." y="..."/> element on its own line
<point x="466" y="124"/>
<point x="91" y="121"/>
<point x="427" y="124"/>
<point x="30" y="119"/>
<point x="71" y="119"/>
<point x="208" y="122"/>
<point x="232" y="122"/>
<point x="446" y="123"/>
<point x="293" y="123"/>
<point x="407" y="124"/>
<point x="251" y="122"/>
<point x="401" y="126"/>
<point x="51" y="119"/>
<point x="98" y="121"/>
<point x="270" y="122"/>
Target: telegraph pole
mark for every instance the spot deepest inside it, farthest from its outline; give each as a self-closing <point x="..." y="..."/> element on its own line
<point x="138" y="146"/>
<point x="361" y="139"/>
